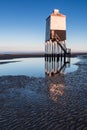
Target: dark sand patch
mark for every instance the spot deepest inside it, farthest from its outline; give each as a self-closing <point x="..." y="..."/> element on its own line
<point x="6" y="62"/>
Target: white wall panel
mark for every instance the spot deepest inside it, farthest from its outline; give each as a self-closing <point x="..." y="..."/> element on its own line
<point x="58" y="23"/>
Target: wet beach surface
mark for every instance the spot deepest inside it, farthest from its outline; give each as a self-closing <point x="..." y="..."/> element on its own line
<point x="51" y="103"/>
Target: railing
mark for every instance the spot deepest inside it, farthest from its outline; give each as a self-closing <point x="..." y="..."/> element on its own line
<point x="63" y="46"/>
<point x="68" y="51"/>
<point x="56" y="47"/>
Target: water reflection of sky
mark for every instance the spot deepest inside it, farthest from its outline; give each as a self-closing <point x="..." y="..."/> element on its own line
<point x="30" y="67"/>
<point x="72" y="67"/>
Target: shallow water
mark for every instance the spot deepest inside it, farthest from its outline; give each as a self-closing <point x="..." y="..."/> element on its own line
<point x="35" y="67"/>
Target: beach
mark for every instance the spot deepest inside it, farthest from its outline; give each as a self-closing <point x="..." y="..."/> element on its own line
<point x="50" y="103"/>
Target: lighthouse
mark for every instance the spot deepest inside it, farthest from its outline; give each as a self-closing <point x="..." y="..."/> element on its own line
<point x="55" y="37"/>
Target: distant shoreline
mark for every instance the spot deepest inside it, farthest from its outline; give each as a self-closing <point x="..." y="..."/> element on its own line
<point x="33" y="55"/>
<point x="12" y="56"/>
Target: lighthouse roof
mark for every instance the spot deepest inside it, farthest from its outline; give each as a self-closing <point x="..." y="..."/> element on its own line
<point x="56" y="13"/>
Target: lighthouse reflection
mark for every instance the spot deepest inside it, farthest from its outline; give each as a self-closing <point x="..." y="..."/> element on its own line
<point x="56" y="91"/>
<point x="55" y="65"/>
<point x="54" y="70"/>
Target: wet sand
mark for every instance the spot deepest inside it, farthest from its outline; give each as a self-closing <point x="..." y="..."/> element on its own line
<point x="50" y="103"/>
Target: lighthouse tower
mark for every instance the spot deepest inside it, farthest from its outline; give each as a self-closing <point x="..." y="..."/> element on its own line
<point x="55" y="33"/>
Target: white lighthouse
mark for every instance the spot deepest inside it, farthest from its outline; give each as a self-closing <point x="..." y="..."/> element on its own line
<point x="55" y="33"/>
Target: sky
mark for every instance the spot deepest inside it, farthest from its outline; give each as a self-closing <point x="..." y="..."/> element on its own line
<point x="22" y="24"/>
